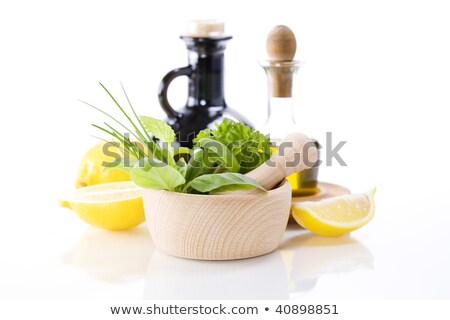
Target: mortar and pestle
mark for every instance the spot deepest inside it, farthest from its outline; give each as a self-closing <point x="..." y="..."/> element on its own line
<point x="234" y="225"/>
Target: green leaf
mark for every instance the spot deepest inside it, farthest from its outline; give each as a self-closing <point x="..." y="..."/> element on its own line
<point x="158" y="128"/>
<point x="156" y="174"/>
<point x="218" y="152"/>
<point x="182" y="166"/>
<point x="147" y="137"/>
<point x="110" y="116"/>
<point x="205" y="133"/>
<point x="195" y="167"/>
<point x="183" y="152"/>
<point x="138" y="132"/>
<point x="250" y="147"/>
<point x="142" y="137"/>
<point x="164" y="133"/>
<point x="220" y="182"/>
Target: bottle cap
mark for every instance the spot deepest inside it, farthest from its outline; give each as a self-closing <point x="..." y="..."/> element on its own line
<point x="281" y="44"/>
<point x="206" y="28"/>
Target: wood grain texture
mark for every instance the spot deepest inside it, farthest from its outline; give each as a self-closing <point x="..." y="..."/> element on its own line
<point x="296" y="153"/>
<point x="281" y="46"/>
<point x="217" y="227"/>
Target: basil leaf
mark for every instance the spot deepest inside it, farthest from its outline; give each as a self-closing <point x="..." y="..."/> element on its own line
<point x="158" y="128"/>
<point x="218" y="152"/>
<point x="157" y="175"/>
<point x="220" y="182"/>
<point x="164" y="133"/>
<point x="183" y="152"/>
<point x="182" y="166"/>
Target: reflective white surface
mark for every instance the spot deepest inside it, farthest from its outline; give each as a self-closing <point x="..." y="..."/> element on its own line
<point x="292" y="270"/>
<point x="78" y="261"/>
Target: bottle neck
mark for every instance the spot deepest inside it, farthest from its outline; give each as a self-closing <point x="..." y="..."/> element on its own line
<point x="280" y="108"/>
<point x="280" y="118"/>
<point x="206" y="84"/>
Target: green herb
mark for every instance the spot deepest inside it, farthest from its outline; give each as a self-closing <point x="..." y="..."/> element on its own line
<point x="219" y="152"/>
<point x="217" y="162"/>
<point x="220" y="182"/>
<point x="144" y="141"/>
<point x="159" y="129"/>
<point x="164" y="134"/>
<point x="182" y="167"/>
<point x="157" y="175"/>
<point x="250" y="147"/>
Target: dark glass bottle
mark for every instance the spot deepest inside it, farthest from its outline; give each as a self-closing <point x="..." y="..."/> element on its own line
<point x="206" y="101"/>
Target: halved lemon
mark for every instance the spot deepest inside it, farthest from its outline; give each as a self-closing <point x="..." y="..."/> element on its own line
<point x="91" y="171"/>
<point x="336" y="216"/>
<point x="112" y="206"/>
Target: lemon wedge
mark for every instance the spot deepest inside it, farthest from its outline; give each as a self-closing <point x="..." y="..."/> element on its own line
<point x="112" y="206"/>
<point x="336" y="216"/>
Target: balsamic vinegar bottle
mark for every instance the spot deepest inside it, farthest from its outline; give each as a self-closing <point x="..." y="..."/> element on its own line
<point x="206" y="43"/>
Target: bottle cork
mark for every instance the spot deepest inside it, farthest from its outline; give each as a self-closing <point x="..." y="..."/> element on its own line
<point x="281" y="46"/>
<point x="205" y="28"/>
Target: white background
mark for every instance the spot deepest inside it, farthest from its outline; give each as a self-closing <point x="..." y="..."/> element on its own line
<point x="375" y="73"/>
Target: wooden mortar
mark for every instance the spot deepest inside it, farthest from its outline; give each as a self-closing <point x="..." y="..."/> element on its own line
<point x="217" y="227"/>
<point x="235" y="225"/>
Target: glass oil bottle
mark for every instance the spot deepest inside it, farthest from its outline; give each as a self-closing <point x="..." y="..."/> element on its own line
<point x="281" y="70"/>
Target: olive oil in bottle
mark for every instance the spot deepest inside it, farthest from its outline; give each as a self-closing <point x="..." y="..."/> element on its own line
<point x="280" y="70"/>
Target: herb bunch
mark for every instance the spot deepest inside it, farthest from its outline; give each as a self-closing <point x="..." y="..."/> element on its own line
<point x="217" y="163"/>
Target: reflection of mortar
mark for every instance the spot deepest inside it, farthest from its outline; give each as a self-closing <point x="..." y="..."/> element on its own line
<point x="112" y="256"/>
<point x="309" y="256"/>
<point x="217" y="227"/>
<point x="174" y="278"/>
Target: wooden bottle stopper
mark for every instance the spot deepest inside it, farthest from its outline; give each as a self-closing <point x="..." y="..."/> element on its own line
<point x="281" y="46"/>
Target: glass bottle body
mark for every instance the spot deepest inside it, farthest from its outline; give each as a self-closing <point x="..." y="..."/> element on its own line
<point x="281" y="120"/>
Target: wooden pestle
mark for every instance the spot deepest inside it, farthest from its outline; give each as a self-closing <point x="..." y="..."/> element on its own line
<point x="281" y="46"/>
<point x="296" y="153"/>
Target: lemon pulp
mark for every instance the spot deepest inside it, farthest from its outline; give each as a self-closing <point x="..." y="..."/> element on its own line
<point x="336" y="216"/>
<point x="111" y="206"/>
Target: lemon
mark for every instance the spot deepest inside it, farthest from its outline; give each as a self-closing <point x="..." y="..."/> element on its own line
<point x="112" y="206"/>
<point x="336" y="216"/>
<point x="91" y="171"/>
